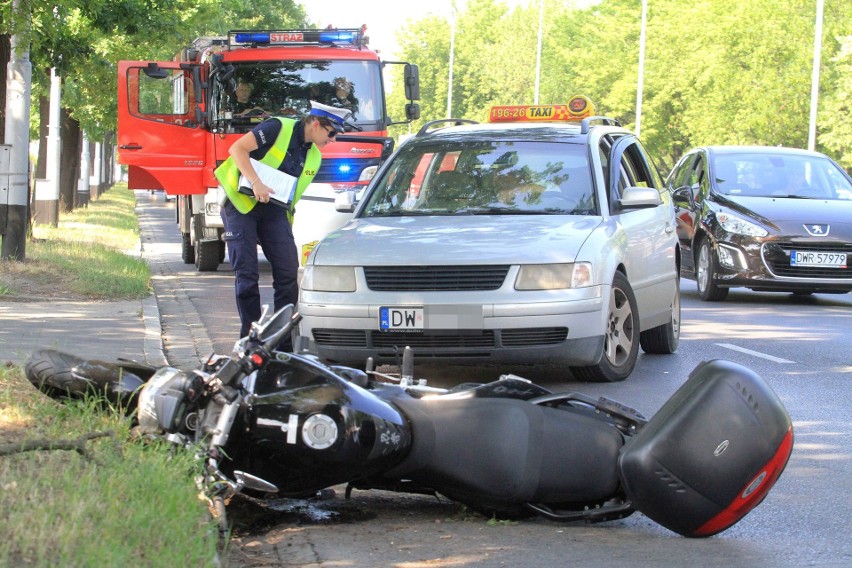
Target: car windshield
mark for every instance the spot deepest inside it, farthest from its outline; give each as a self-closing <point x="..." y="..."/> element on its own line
<point x="484" y="178"/>
<point x="780" y="175"/>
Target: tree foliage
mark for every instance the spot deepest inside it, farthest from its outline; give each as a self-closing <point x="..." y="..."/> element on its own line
<point x="716" y="71"/>
<point x="84" y="40"/>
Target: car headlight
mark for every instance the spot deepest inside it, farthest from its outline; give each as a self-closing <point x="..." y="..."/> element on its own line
<point x="739" y="226"/>
<point x="554" y="276"/>
<point x="329" y="278"/>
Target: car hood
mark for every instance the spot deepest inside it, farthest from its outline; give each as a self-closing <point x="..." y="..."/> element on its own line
<point x="788" y="215"/>
<point x="436" y="240"/>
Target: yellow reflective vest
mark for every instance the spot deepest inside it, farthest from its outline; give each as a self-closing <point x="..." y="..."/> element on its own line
<point x="229" y="175"/>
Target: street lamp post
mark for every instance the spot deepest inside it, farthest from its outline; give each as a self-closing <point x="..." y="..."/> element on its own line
<point x="815" y="76"/>
<point x="538" y="50"/>
<point x="640" y="82"/>
<point x="452" y="56"/>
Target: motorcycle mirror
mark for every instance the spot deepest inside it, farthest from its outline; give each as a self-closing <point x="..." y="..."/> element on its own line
<point x="271" y="332"/>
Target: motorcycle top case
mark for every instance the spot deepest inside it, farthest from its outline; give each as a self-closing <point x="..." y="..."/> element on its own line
<point x="712" y="452"/>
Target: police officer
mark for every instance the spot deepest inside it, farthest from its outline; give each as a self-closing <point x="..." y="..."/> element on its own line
<point x="292" y="147"/>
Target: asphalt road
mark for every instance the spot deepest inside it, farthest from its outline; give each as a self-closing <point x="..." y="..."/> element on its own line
<point x="799" y="345"/>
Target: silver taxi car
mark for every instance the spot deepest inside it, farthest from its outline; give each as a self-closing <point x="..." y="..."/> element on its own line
<point x="542" y="237"/>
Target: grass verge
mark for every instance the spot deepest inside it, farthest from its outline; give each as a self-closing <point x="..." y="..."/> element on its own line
<point x="92" y="254"/>
<point x="123" y="503"/>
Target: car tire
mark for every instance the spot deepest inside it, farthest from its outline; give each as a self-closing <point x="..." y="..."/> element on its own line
<point x="664" y="339"/>
<point x="706" y="265"/>
<point x="621" y="337"/>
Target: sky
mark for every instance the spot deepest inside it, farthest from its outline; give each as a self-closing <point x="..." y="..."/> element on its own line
<point x="383" y="17"/>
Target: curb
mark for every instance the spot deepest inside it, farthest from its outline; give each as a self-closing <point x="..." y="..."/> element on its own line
<point x="153" y="344"/>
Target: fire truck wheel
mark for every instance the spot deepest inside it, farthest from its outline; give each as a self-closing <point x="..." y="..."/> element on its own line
<point x="207" y="256"/>
<point x="187" y="252"/>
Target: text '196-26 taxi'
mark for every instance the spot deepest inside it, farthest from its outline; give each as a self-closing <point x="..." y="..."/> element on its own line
<point x="542" y="237"/>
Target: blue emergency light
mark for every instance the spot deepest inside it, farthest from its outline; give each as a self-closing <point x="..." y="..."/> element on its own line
<point x="296" y="37"/>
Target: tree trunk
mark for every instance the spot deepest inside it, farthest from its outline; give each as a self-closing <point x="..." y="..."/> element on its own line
<point x="5" y="55"/>
<point x="43" y="113"/>
<point x="69" y="161"/>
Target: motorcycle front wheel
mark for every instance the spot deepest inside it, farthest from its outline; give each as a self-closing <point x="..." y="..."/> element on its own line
<point x="64" y="376"/>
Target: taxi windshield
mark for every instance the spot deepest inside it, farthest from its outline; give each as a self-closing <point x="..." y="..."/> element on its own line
<point x="484" y="178"/>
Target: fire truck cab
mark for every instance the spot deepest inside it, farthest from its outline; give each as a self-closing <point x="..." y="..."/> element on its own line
<point x="177" y="120"/>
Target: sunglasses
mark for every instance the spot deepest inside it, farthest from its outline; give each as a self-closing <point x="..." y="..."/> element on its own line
<point x="329" y="130"/>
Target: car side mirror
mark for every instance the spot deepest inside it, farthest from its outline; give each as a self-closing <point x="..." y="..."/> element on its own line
<point x="344" y="202"/>
<point x="639" y="198"/>
<point x="683" y="197"/>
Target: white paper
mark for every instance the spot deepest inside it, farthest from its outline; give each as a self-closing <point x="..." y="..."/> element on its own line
<point x="284" y="185"/>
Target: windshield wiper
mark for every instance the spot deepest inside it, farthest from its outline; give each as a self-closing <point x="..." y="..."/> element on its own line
<point x="508" y="211"/>
<point x="410" y="213"/>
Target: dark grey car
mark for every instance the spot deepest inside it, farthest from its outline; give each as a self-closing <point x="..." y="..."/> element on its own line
<point x="765" y="218"/>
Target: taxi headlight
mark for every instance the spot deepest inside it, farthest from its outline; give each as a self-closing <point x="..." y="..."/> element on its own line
<point x="329" y="278"/>
<point x="554" y="276"/>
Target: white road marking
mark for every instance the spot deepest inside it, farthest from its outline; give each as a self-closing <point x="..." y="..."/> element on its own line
<point x="755" y="353"/>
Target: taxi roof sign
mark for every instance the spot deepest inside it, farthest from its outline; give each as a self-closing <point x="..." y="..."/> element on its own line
<point x="578" y="108"/>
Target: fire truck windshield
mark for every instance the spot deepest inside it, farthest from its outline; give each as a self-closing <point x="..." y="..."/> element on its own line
<point x="285" y="88"/>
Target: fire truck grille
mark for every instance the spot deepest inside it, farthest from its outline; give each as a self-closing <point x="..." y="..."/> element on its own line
<point x="435" y="278"/>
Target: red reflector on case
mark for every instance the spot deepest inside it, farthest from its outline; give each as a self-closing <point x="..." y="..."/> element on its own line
<point x="753" y="493"/>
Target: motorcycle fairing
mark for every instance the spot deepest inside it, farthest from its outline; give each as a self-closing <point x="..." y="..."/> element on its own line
<point x="503" y="453"/>
<point x="712" y="452"/>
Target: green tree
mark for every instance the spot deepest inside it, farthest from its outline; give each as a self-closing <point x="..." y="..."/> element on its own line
<point x="835" y="127"/>
<point x="716" y="71"/>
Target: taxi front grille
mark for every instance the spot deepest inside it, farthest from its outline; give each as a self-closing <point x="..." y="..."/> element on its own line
<point x="435" y="278"/>
<point x="440" y="340"/>
<point x="341" y="338"/>
<point x="532" y="337"/>
<point x="451" y="340"/>
<point x="776" y="256"/>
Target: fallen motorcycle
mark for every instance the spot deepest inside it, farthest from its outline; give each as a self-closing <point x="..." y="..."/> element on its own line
<point x="275" y="424"/>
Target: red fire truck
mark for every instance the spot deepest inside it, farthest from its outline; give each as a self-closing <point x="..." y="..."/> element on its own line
<point x="177" y="119"/>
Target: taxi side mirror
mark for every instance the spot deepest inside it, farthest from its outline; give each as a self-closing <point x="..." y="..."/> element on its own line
<point x="344" y="202"/>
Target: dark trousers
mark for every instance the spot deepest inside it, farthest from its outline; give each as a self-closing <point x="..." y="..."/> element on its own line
<point x="265" y="225"/>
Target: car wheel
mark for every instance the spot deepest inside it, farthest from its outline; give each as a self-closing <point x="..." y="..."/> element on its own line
<point x="705" y="268"/>
<point x="664" y="338"/>
<point x="621" y="337"/>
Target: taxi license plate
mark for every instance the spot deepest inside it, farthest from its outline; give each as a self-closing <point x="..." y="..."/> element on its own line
<point x="400" y="319"/>
<point x="813" y="258"/>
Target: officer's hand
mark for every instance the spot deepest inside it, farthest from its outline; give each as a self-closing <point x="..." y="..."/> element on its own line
<point x="261" y="191"/>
